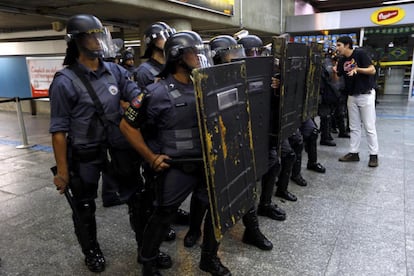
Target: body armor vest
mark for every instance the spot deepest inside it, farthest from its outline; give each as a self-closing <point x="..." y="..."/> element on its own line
<point x="182" y="136"/>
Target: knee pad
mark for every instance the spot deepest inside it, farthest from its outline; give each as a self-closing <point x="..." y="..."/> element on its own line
<point x="289" y="158"/>
<point x="86" y="210"/>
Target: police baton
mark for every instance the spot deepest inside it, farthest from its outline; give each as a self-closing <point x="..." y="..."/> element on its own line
<point x="69" y="196"/>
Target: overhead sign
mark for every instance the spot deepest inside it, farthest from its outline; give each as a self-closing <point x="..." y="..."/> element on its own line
<point x="387" y="16"/>
<point x="225" y="7"/>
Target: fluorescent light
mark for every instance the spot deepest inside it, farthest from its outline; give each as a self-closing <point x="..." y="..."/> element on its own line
<point x="395" y="2"/>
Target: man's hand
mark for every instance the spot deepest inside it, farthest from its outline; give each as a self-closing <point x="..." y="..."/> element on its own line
<point x="61" y="182"/>
<point x="158" y="164"/>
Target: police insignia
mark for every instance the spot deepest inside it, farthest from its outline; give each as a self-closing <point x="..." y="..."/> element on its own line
<point x="137" y="101"/>
<point x="113" y="89"/>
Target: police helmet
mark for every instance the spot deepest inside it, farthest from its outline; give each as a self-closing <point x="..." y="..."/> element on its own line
<point x="181" y="43"/>
<point x="81" y="26"/>
<point x="224" y="48"/>
<point x="252" y="45"/>
<point x="154" y="32"/>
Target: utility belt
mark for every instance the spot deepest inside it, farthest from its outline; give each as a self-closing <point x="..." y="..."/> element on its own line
<point x="89" y="154"/>
<point x="186" y="165"/>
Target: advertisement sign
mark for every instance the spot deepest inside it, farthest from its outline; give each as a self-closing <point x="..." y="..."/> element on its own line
<point x="225" y="7"/>
<point x="41" y="71"/>
<point x="387" y="16"/>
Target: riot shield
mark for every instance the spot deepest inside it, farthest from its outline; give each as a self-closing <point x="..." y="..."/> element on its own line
<point x="313" y="81"/>
<point x="259" y="74"/>
<point x="225" y="130"/>
<point x="293" y="63"/>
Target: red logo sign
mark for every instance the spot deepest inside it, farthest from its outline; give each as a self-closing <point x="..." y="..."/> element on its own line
<point x="385" y="15"/>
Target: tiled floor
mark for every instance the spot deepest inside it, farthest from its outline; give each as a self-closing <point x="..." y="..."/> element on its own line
<point x="353" y="220"/>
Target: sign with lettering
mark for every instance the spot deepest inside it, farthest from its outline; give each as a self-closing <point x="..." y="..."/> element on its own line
<point x="225" y="7"/>
<point x="387" y="16"/>
<point x="41" y="72"/>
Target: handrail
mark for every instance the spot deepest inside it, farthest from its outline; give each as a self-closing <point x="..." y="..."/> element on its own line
<point x="20" y="118"/>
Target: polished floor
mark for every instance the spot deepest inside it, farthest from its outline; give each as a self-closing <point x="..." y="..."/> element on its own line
<point x="353" y="220"/>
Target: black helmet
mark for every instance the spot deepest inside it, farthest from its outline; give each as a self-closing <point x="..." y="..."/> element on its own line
<point x="252" y="44"/>
<point x="152" y="33"/>
<point x="81" y="25"/>
<point x="179" y="44"/>
<point x="127" y="55"/>
<point x="224" y="48"/>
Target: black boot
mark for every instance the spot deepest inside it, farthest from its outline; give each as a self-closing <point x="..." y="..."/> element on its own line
<point x="85" y="230"/>
<point x="209" y="261"/>
<point x="198" y="210"/>
<point x="95" y="260"/>
<point x="326" y="138"/>
<point x="283" y="181"/>
<point x="311" y="149"/>
<point x="154" y="234"/>
<point x="271" y="211"/>
<point x="252" y="234"/>
<point x="170" y="235"/>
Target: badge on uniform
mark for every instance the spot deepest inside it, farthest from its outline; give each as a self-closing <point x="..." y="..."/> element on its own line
<point x="113" y="89"/>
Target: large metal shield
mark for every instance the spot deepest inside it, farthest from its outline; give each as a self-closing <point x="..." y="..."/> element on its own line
<point x="293" y="64"/>
<point x="313" y="81"/>
<point x="259" y="74"/>
<point x="223" y="111"/>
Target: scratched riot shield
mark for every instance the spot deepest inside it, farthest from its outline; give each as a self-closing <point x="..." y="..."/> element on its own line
<point x="259" y="74"/>
<point x="225" y="129"/>
<point x="313" y="81"/>
<point x="292" y="58"/>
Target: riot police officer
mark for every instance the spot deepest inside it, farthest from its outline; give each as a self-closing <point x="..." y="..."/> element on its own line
<point x="85" y="114"/>
<point x="170" y="108"/>
<point x="225" y="48"/>
<point x="127" y="61"/>
<point x="155" y="37"/>
<point x="253" y="47"/>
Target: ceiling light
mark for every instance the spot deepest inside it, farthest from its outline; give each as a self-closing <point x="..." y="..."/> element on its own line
<point x="396" y="2"/>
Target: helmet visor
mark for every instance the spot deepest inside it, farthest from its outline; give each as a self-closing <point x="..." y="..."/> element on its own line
<point x="98" y="43"/>
<point x="198" y="56"/>
<point x="234" y="52"/>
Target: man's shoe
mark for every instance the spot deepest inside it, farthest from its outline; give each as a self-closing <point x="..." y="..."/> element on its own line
<point x="327" y="143"/>
<point x="170" y="235"/>
<point x="286" y="195"/>
<point x="349" y="157"/>
<point x="316" y="167"/>
<point x="344" y="135"/>
<point x="373" y="160"/>
<point x="271" y="211"/>
<point x="298" y="179"/>
<point x="95" y="260"/>
<point x="182" y="217"/>
<point x="256" y="238"/>
<point x="163" y="260"/>
<point x="191" y="238"/>
<point x="211" y="263"/>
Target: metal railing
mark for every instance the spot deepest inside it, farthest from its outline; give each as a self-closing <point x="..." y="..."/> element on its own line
<point x="25" y="143"/>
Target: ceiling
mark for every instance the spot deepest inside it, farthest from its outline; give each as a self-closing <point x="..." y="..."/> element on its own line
<point x="339" y="5"/>
<point x="30" y="15"/>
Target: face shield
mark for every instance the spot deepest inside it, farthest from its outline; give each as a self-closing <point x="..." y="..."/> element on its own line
<point x="97" y="43"/>
<point x="198" y="56"/>
<point x="234" y="52"/>
<point x="254" y="52"/>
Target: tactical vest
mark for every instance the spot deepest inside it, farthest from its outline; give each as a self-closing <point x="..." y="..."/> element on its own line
<point x="152" y="69"/>
<point x="182" y="138"/>
<point x="87" y="128"/>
